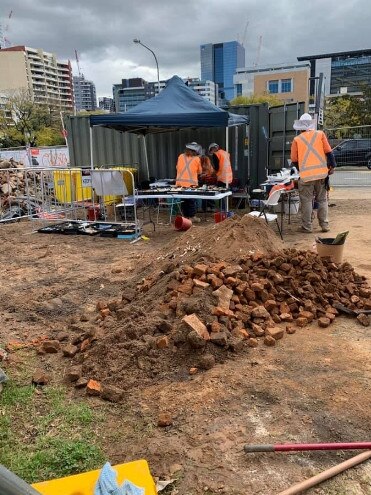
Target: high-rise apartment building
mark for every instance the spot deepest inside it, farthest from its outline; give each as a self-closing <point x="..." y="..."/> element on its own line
<point x="48" y="80"/>
<point x="84" y="93"/>
<point x="219" y="63"/>
<point x="106" y="103"/>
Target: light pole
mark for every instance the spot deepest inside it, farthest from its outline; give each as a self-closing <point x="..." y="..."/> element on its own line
<point x="138" y="42"/>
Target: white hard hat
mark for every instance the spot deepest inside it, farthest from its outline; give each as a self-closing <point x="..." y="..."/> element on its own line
<point x="213" y="145"/>
<point x="193" y="146"/>
<point x="305" y="123"/>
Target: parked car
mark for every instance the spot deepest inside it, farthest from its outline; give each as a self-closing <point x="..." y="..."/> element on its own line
<point x="353" y="152"/>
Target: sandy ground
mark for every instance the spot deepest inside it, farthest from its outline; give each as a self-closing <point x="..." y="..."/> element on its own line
<point x="313" y="386"/>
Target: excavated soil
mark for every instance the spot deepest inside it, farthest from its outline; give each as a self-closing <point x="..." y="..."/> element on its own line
<point x="311" y="386"/>
<point x="228" y="240"/>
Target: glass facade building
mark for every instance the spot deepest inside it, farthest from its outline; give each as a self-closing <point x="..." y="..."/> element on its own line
<point x="219" y="63"/>
<point x="344" y="72"/>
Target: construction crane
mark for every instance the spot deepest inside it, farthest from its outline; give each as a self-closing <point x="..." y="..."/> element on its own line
<point x="4" y="41"/>
<point x="78" y="64"/>
<point x="256" y="63"/>
<point x="245" y="33"/>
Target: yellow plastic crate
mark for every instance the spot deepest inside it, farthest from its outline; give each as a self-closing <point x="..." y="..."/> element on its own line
<point x="83" y="484"/>
<point x="68" y="186"/>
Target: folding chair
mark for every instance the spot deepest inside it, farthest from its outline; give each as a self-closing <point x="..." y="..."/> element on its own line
<point x="243" y="197"/>
<point x="170" y="204"/>
<point x="269" y="217"/>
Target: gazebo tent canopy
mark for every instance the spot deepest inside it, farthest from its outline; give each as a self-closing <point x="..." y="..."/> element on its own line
<point x="176" y="107"/>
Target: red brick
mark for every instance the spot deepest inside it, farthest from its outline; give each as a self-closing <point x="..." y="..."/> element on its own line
<point x="269" y="341"/>
<point x="241" y="333"/>
<point x="164" y="419"/>
<point x="200" y="269"/>
<point x="186" y="287"/>
<point x="200" y="283"/>
<point x="363" y="319"/>
<point x="162" y="342"/>
<point x="253" y="342"/>
<point x="249" y="294"/>
<point x="323" y="322"/>
<point x="307" y="314"/>
<point x="286" y="317"/>
<point x="224" y="296"/>
<point x="231" y="271"/>
<point x="93" y="387"/>
<point x="193" y="371"/>
<point x="194" y="323"/>
<point x="51" y="346"/>
<point x="260" y="312"/>
<point x="301" y="321"/>
<point x="290" y="329"/>
<point x="258" y="330"/>
<point x="222" y="312"/>
<point x="270" y="304"/>
<point x="275" y="332"/>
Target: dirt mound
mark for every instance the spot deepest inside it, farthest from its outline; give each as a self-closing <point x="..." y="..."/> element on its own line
<point x="186" y="317"/>
<point x="227" y="240"/>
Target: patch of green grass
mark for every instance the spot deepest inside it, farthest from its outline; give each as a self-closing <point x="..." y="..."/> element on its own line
<point x="15" y="395"/>
<point x="54" y="458"/>
<point x="48" y="435"/>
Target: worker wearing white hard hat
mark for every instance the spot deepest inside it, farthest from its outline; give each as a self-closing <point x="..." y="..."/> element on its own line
<point x="221" y="161"/>
<point x="188" y="169"/>
<point x="311" y="153"/>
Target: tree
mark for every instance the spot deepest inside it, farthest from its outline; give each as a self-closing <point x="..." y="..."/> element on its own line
<point x="271" y="99"/>
<point x="23" y="122"/>
<point x="349" y="111"/>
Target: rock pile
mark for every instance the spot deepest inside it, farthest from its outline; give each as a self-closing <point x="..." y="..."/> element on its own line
<point x="13" y="180"/>
<point x="187" y="317"/>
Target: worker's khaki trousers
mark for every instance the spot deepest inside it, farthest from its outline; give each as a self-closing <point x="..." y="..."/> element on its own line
<point x="309" y="191"/>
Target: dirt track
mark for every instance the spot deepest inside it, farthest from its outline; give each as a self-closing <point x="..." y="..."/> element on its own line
<point x="313" y="386"/>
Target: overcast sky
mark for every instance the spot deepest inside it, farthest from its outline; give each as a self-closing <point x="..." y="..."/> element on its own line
<point x="102" y="31"/>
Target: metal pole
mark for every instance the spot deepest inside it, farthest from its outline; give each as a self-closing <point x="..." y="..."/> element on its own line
<point x="91" y="148"/>
<point x="153" y="53"/>
<point x="11" y="484"/>
<point x="145" y="154"/>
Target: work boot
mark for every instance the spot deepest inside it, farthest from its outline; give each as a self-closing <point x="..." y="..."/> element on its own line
<point x="325" y="229"/>
<point x="306" y="231"/>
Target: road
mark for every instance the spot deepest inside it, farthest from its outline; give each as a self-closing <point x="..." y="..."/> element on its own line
<point x="351" y="177"/>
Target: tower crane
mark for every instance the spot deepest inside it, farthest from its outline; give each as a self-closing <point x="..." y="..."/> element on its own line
<point x="4" y="41"/>
<point x="257" y="60"/>
<point x="78" y="64"/>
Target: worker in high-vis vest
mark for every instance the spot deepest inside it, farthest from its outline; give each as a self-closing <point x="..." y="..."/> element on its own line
<point x="311" y="153"/>
<point x="188" y="169"/>
<point x="221" y="161"/>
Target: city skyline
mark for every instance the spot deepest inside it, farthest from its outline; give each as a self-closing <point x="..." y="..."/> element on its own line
<point x="104" y="38"/>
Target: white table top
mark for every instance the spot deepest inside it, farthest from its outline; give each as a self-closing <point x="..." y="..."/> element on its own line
<point x="184" y="196"/>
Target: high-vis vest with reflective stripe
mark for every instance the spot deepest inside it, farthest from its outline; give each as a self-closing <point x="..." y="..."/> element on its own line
<point x="311" y="156"/>
<point x="187" y="169"/>
<point x="224" y="174"/>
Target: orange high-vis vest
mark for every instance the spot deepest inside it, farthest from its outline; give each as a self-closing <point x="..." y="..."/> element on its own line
<point x="309" y="149"/>
<point x="224" y="174"/>
<point x="187" y="170"/>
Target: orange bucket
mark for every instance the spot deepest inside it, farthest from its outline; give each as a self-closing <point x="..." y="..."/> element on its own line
<point x="219" y="216"/>
<point x="182" y="223"/>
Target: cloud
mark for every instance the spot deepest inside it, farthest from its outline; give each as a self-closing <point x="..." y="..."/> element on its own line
<point x="102" y="32"/>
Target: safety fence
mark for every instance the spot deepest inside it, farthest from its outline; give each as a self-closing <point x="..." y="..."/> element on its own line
<point x="45" y="157"/>
<point x="56" y="195"/>
<point x="352" y="151"/>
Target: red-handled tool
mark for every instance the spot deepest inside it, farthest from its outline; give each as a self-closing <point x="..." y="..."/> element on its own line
<point x="291" y="447"/>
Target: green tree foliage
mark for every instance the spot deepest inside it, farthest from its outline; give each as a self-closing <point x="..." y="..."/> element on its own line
<point x="271" y="99"/>
<point x="349" y="111"/>
<point x="23" y="122"/>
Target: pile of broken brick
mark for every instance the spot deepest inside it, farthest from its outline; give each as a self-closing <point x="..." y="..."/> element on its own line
<point x="194" y="315"/>
<point x="263" y="296"/>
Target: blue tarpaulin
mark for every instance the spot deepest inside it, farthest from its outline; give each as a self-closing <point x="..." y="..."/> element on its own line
<point x="176" y="107"/>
